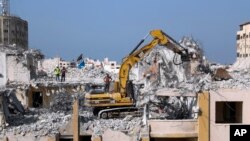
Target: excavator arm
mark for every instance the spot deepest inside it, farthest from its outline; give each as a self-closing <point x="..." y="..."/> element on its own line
<point x="159" y="38"/>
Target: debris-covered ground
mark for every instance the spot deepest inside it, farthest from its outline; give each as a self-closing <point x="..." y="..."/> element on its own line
<point x="40" y="121"/>
<point x="156" y="71"/>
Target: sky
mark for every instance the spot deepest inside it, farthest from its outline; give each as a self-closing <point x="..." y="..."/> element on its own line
<point x="112" y="28"/>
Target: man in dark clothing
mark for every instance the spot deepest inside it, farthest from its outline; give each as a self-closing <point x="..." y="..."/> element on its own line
<point x="63" y="72"/>
<point x="107" y="79"/>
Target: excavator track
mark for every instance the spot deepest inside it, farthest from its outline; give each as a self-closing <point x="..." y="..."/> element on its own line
<point x="120" y="112"/>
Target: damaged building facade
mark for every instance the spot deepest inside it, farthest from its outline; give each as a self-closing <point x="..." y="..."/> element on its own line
<point x="17" y="67"/>
<point x="194" y="101"/>
<point x="183" y="104"/>
<point x="243" y="41"/>
<point x="13" y="31"/>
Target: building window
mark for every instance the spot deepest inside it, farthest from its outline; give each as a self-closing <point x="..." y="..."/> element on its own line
<point x="237" y="37"/>
<point x="244" y="35"/>
<point x="241" y="27"/>
<point x="238" y="54"/>
<point x="228" y="112"/>
<point x="37" y="98"/>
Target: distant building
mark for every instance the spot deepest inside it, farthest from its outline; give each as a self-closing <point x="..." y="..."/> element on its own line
<point x="243" y="41"/>
<point x="13" y="31"/>
<point x="48" y="65"/>
<point x="111" y="66"/>
<point x="66" y="64"/>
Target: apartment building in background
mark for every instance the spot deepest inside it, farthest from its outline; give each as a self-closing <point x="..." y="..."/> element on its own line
<point x="243" y="41"/>
<point x="13" y="32"/>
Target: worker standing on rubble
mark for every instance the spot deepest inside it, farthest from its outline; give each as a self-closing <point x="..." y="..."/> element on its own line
<point x="107" y="79"/>
<point x="63" y="72"/>
<point x="57" y="72"/>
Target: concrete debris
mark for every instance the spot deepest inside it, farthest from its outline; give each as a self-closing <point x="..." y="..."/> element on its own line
<point x="62" y="102"/>
<point x="11" y="105"/>
<point x="180" y="79"/>
<point x="75" y="75"/>
<point x="128" y="125"/>
<point x="43" y="122"/>
<point x="38" y="122"/>
<point x="156" y="71"/>
<point x="172" y="108"/>
<point x="192" y="45"/>
<point x="241" y="64"/>
<point x="36" y="53"/>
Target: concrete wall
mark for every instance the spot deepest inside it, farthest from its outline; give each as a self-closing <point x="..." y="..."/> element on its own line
<point x="173" y="128"/>
<point x="48" y="65"/>
<point x="3" y="74"/>
<point x="2" y="118"/>
<point x="17" y="70"/>
<point x="31" y="138"/>
<point x="22" y="96"/>
<point x="220" y="131"/>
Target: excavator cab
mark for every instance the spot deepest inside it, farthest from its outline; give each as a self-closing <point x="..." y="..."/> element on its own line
<point x="95" y="88"/>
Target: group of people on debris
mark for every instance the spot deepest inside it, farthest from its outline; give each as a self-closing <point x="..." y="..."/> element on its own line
<point x="60" y="72"/>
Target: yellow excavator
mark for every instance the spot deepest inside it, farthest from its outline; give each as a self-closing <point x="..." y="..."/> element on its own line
<point x="121" y="101"/>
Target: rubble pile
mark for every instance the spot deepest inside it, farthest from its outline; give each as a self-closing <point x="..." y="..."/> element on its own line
<point x="21" y="54"/>
<point x="38" y="122"/>
<point x="174" y="75"/>
<point x="62" y="102"/>
<point x="129" y="125"/>
<point x="159" y="69"/>
<point x="179" y="79"/>
<point x="172" y="108"/>
<point x="11" y="49"/>
<point x="89" y="75"/>
<point x="242" y="64"/>
<point x="76" y="75"/>
<point x="240" y="80"/>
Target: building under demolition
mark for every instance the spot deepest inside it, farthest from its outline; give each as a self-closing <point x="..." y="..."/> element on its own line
<point x="177" y="101"/>
<point x="193" y="101"/>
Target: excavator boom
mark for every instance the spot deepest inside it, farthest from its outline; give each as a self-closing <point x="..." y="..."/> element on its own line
<point x="159" y="38"/>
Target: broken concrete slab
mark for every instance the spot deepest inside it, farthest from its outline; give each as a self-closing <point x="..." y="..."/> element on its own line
<point x="111" y="135"/>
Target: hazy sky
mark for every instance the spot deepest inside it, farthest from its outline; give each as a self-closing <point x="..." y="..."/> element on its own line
<point x="112" y="28"/>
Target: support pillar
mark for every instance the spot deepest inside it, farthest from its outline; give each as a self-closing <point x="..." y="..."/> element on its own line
<point x="204" y="116"/>
<point x="75" y="120"/>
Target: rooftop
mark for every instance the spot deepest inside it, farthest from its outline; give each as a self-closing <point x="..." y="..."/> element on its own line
<point x="246" y="23"/>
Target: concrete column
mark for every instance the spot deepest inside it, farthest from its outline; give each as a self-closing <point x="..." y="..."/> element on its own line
<point x="204" y="116"/>
<point x="75" y="121"/>
<point x="96" y="138"/>
<point x="2" y="118"/>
